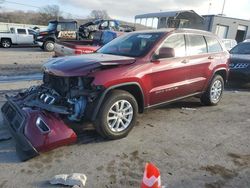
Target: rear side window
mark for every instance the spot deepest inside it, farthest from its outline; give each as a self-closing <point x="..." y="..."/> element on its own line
<point x="68" y="26"/>
<point x="213" y="45"/>
<point x="177" y="42"/>
<point x="21" y="31"/>
<point x="196" y="45"/>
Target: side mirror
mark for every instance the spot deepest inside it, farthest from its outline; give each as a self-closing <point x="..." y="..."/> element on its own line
<point x="58" y="27"/>
<point x="166" y="52"/>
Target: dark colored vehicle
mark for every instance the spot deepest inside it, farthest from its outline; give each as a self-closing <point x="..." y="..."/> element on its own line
<point x="63" y="30"/>
<point x="136" y="71"/>
<point x="76" y="47"/>
<point x="87" y="30"/>
<point x="127" y="28"/>
<point x="240" y="63"/>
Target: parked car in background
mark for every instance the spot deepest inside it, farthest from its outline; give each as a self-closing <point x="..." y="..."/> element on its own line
<point x="67" y="30"/>
<point x="127" y="28"/>
<point x="79" y="47"/>
<point x="56" y="30"/>
<point x="131" y="73"/>
<point x="240" y="62"/>
<point x="229" y="43"/>
<point x="17" y="36"/>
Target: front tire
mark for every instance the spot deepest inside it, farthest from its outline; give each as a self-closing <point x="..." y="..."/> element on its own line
<point x="214" y="92"/>
<point x="6" y="43"/>
<point x="49" y="46"/>
<point x="117" y="115"/>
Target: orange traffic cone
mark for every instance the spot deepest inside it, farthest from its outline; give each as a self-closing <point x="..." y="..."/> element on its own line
<point x="151" y="177"/>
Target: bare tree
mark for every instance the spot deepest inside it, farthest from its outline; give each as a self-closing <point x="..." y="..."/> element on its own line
<point x="99" y="14"/>
<point x="49" y="12"/>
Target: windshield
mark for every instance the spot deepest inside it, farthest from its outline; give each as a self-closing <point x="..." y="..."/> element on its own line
<point x="132" y="45"/>
<point x="242" y="48"/>
<point x="51" y="26"/>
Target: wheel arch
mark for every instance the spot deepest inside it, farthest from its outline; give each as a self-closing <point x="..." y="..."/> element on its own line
<point x="7" y="39"/>
<point x="49" y="39"/>
<point x="223" y="73"/>
<point x="133" y="88"/>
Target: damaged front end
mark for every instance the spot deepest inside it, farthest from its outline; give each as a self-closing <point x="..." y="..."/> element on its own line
<point x="39" y="118"/>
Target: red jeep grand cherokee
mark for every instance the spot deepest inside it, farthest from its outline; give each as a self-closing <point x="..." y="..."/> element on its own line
<point x="131" y="73"/>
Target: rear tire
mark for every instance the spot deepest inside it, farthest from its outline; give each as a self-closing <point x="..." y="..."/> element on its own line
<point x="49" y="46"/>
<point x="214" y="92"/>
<point x="117" y="115"/>
<point x="6" y="43"/>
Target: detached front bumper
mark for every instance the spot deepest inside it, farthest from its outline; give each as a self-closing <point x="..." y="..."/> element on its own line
<point x="34" y="130"/>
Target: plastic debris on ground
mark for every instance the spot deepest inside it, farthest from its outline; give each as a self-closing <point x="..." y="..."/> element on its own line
<point x="75" y="179"/>
<point x="188" y="109"/>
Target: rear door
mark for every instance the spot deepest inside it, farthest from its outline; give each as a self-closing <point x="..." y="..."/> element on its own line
<point x="169" y="75"/>
<point x="199" y="62"/>
<point x="23" y="37"/>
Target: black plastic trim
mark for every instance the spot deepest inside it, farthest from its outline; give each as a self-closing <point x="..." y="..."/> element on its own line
<point x="96" y="110"/>
<point x="24" y="148"/>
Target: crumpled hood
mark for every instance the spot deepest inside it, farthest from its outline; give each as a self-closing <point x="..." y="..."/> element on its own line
<point x="81" y="65"/>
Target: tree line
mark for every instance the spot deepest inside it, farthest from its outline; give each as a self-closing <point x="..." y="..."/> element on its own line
<point x="44" y="15"/>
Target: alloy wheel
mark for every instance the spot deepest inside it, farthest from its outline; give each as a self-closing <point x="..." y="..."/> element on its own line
<point x="216" y="91"/>
<point x="120" y="116"/>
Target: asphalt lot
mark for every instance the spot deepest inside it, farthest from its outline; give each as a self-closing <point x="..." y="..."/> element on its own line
<point x="22" y="60"/>
<point x="192" y="145"/>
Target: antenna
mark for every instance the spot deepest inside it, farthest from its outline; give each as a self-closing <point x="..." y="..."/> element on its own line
<point x="223" y="7"/>
<point x="209" y="6"/>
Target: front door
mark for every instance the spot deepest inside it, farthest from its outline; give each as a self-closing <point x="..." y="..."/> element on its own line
<point x="168" y="76"/>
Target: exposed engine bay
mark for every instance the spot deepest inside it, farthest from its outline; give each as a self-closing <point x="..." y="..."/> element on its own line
<point x="67" y="96"/>
<point x="42" y="117"/>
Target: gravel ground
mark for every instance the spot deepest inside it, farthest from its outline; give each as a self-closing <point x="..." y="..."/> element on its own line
<point x="207" y="147"/>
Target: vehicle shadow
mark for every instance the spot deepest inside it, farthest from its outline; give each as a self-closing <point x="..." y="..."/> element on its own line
<point x="189" y="103"/>
<point x="232" y="86"/>
<point x="22" y="46"/>
<point x="8" y="152"/>
<point x="86" y="134"/>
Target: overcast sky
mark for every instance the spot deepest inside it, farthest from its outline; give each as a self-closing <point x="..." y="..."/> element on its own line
<point x="127" y="9"/>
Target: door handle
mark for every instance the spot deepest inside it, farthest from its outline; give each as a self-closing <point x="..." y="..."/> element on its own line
<point x="210" y="57"/>
<point x="184" y="61"/>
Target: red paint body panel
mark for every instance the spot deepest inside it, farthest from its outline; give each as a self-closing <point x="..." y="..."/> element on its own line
<point x="162" y="80"/>
<point x="60" y="134"/>
<point x="68" y="48"/>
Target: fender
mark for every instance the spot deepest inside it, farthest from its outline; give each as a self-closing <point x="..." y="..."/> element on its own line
<point x="104" y="94"/>
<point x="214" y="72"/>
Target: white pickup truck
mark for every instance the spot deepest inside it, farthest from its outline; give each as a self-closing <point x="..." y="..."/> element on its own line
<point x="17" y="36"/>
